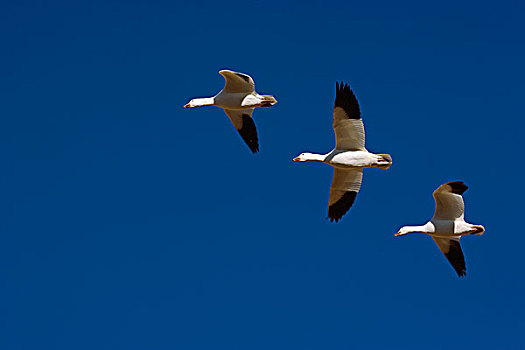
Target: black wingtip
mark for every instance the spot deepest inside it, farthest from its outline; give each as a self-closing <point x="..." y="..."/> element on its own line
<point x="337" y="210"/>
<point x="456" y="258"/>
<point x="458" y="187"/>
<point x="248" y="133"/>
<point x="461" y="273"/>
<point x="345" y="99"/>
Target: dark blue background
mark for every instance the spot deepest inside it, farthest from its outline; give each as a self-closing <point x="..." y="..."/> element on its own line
<point x="128" y="222"/>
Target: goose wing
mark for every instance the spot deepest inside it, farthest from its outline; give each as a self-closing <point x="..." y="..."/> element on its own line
<point x="449" y="202"/>
<point x="348" y="125"/>
<point x="451" y="248"/>
<point x="237" y="82"/>
<point x="345" y="185"/>
<point x="243" y="122"/>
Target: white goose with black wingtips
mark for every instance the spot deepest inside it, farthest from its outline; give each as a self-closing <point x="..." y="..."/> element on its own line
<point x="448" y="224"/>
<point x="238" y="99"/>
<point x="349" y="156"/>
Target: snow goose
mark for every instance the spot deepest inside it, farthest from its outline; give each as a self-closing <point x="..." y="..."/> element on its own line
<point x="448" y="224"/>
<point x="238" y="99"/>
<point x="349" y="156"/>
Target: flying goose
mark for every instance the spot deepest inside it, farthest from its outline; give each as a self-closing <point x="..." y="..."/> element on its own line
<point x="448" y="224"/>
<point x="349" y="156"/>
<point x="238" y="99"/>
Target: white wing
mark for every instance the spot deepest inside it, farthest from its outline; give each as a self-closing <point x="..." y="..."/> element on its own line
<point x="348" y="125"/>
<point x="243" y="122"/>
<point x="451" y="248"/>
<point x="345" y="185"/>
<point x="237" y="82"/>
<point x="449" y="202"/>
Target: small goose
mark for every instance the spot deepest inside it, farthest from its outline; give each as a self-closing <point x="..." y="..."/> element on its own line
<point x="238" y="99"/>
<point x="448" y="224"/>
<point x="349" y="156"/>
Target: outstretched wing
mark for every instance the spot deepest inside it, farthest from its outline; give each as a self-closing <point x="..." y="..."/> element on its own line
<point x="452" y="250"/>
<point x="348" y="125"/>
<point x="237" y="82"/>
<point x="345" y="185"/>
<point x="243" y="122"/>
<point x="449" y="202"/>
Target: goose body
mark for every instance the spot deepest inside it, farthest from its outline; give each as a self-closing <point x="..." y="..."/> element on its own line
<point x="238" y="99"/>
<point x="349" y="157"/>
<point x="448" y="224"/>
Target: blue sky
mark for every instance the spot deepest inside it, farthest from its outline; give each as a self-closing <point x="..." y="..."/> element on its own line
<point x="129" y="222"/>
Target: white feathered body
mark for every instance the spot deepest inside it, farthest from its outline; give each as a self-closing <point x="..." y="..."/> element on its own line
<point x="354" y="159"/>
<point x="447" y="228"/>
<point x="237" y="101"/>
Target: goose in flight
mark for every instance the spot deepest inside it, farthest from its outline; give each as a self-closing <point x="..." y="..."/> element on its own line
<point x="349" y="156"/>
<point x="238" y="99"/>
<point x="448" y="224"/>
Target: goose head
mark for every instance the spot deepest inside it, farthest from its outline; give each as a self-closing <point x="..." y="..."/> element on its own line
<point x="403" y="231"/>
<point x="199" y="102"/>
<point x="193" y="103"/>
<point x="427" y="228"/>
<point x="305" y="157"/>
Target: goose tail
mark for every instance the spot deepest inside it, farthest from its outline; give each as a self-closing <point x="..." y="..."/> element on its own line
<point x="268" y="101"/>
<point x="384" y="163"/>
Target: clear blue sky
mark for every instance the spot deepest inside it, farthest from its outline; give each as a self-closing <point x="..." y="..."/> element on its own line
<point x="128" y="222"/>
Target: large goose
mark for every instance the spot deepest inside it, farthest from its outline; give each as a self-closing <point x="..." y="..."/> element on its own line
<point x="349" y="156"/>
<point x="238" y="99"/>
<point x="448" y="224"/>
